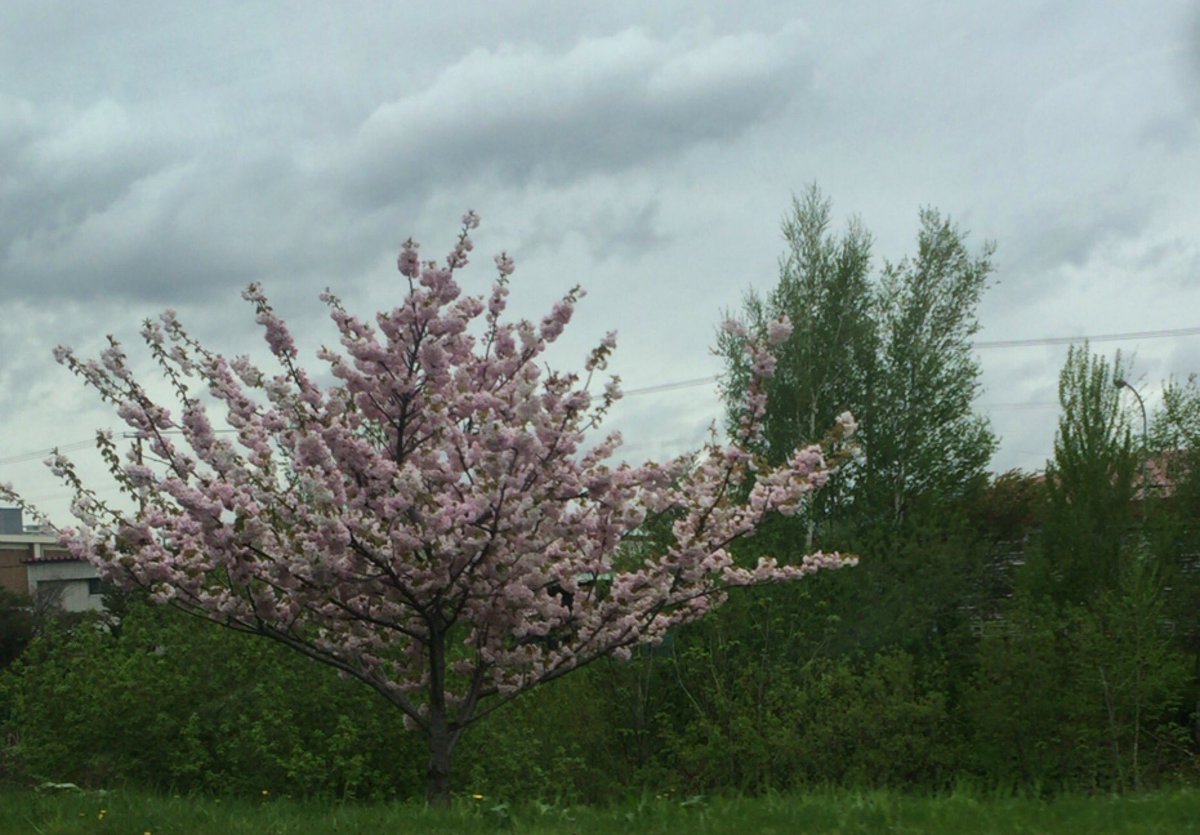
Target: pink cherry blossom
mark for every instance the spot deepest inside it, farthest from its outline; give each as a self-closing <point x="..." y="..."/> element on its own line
<point x="779" y="330"/>
<point x="442" y="489"/>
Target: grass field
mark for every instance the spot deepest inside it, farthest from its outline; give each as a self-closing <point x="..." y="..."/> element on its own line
<point x="1169" y="813"/>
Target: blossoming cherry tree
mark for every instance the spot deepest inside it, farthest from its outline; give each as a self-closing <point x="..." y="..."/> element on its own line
<point x="435" y="521"/>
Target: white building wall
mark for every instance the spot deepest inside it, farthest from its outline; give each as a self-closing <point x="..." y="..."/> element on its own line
<point x="71" y="579"/>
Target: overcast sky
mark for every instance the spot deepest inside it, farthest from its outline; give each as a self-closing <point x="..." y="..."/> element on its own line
<point x="162" y="154"/>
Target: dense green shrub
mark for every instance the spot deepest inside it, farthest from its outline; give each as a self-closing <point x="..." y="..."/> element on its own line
<point x="556" y="744"/>
<point x="16" y="626"/>
<point x="866" y="724"/>
<point x="1082" y="698"/>
<point x="171" y="702"/>
<point x="1086" y="699"/>
<point x="1028" y="724"/>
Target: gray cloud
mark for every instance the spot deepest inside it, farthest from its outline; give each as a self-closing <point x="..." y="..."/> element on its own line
<point x="621" y="224"/>
<point x="108" y="200"/>
<point x="153" y="155"/>
<point x="1189" y="71"/>
<point x="1068" y="231"/>
<point x="607" y="104"/>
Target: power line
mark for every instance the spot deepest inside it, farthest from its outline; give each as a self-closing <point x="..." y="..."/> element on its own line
<point x="1103" y="337"/>
<point x="995" y="343"/>
<point x="709" y="380"/>
<point x="1033" y="404"/>
<point x="42" y="453"/>
<point x="682" y="384"/>
<point x="74" y="446"/>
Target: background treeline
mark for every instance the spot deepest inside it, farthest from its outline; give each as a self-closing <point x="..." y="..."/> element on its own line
<point x="1025" y="631"/>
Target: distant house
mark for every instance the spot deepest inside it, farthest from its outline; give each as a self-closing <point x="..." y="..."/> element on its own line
<point x="33" y="563"/>
<point x="1162" y="474"/>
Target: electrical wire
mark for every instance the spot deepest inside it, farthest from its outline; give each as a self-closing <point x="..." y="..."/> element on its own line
<point x="709" y="380"/>
<point x="1071" y="340"/>
<point x="983" y="344"/>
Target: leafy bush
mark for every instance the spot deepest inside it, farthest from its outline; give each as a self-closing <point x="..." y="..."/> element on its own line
<point x="169" y="702"/>
<point x="557" y="744"/>
<point x="1083" y="698"/>
<point x="870" y="724"/>
<point x="16" y="626"/>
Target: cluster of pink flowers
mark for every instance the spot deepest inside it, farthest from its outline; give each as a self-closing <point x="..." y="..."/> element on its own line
<point x="437" y="522"/>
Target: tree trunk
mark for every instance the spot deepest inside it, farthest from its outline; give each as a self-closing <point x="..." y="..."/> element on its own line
<point x="441" y="742"/>
<point x="441" y="738"/>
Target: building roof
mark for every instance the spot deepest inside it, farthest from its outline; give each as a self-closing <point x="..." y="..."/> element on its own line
<point x="54" y="556"/>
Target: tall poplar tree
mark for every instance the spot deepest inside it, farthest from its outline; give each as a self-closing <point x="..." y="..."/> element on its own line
<point x="893" y="346"/>
<point x="1090" y="481"/>
<point x="894" y="349"/>
<point x="823" y="368"/>
<point x="1175" y="440"/>
<point x="922" y="436"/>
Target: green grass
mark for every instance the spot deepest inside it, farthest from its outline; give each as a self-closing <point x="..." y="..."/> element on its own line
<point x="1170" y="813"/>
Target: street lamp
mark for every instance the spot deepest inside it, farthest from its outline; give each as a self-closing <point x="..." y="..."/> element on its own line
<point x="1120" y="382"/>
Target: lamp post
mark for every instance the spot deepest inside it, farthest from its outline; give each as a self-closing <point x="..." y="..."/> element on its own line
<point x="1120" y="382"/>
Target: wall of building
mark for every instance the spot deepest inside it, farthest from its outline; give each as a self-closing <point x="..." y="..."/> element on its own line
<point x="12" y="572"/>
<point x="23" y="552"/>
<point x="11" y="521"/>
<point x="70" y="582"/>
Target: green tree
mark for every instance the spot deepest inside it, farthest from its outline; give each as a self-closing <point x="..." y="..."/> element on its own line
<point x="894" y="349"/>
<point x="1175" y="442"/>
<point x="921" y="435"/>
<point x="1089" y="483"/>
<point x="1176" y="425"/>
<point x="893" y="346"/>
<point x="824" y="366"/>
<point x="1078" y="697"/>
<point x="1138" y="673"/>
